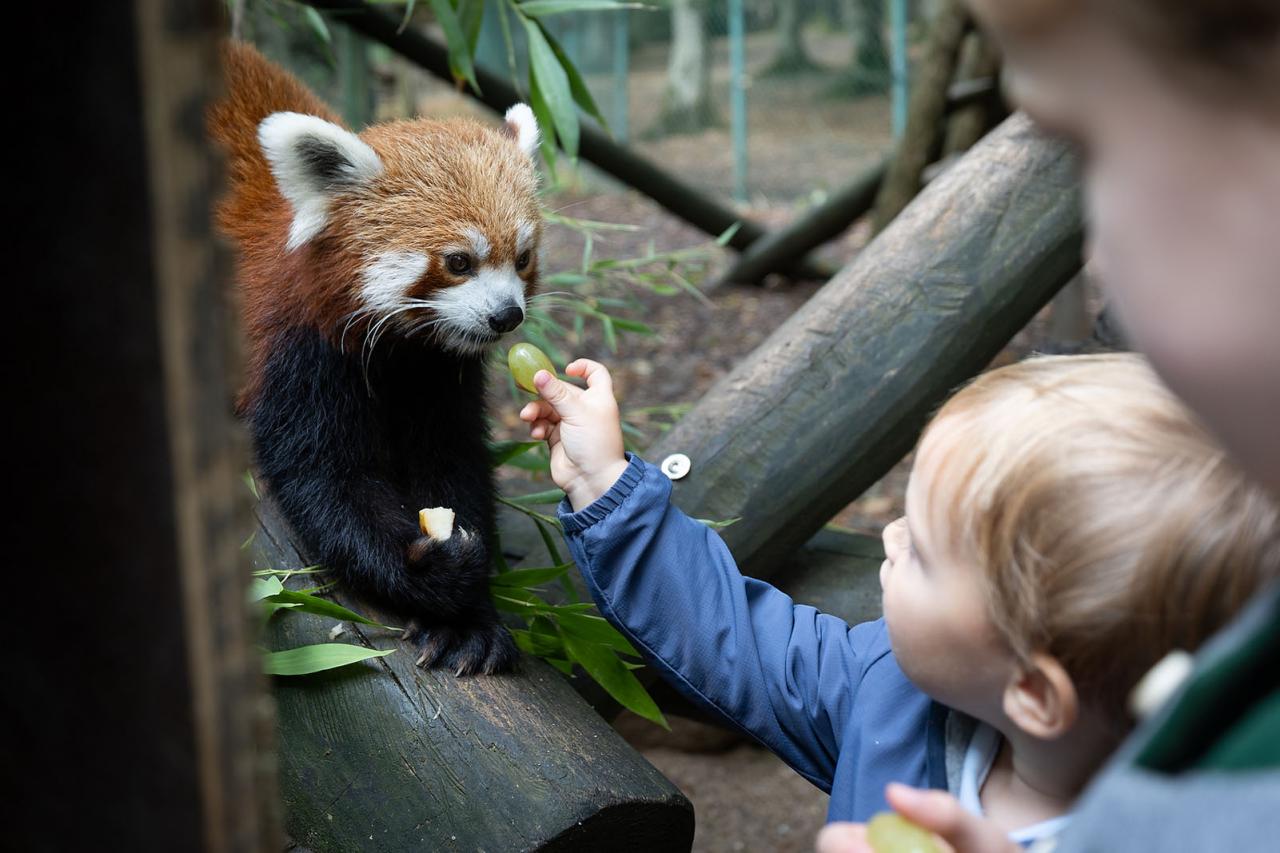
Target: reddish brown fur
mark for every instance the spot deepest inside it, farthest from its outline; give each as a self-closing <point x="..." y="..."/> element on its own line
<point x="439" y="178"/>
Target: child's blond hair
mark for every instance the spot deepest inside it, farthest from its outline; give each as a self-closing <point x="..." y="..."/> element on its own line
<point x="1110" y="527"/>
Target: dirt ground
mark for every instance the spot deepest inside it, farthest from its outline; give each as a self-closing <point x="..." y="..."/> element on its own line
<point x="802" y="145"/>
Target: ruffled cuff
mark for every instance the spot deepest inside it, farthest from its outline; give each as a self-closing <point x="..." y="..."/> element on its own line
<point x="597" y="511"/>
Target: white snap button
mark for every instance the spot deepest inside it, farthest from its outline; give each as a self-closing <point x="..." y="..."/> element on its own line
<point x="676" y="466"/>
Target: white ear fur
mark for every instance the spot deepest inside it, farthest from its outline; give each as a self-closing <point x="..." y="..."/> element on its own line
<point x="523" y="127"/>
<point x="312" y="159"/>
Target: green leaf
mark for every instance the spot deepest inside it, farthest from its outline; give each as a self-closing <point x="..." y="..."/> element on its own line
<point x="316" y="606"/>
<point x="563" y="665"/>
<point x="604" y="665"/>
<point x="538" y="644"/>
<point x="543" y="8"/>
<point x="577" y="86"/>
<point x="596" y="629"/>
<point x="307" y="659"/>
<point x="272" y="607"/>
<point x="260" y="588"/>
<point x="252" y="484"/>
<point x="317" y="23"/>
<point x="408" y="15"/>
<point x="718" y="525"/>
<point x="550" y="496"/>
<point x="502" y="452"/>
<point x="727" y="234"/>
<point x="526" y="578"/>
<point x="549" y="76"/>
<point x="460" y="63"/>
<point x="471" y="16"/>
<point x="542" y="112"/>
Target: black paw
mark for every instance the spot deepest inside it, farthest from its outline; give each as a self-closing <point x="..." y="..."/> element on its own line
<point x="461" y="552"/>
<point x="484" y="648"/>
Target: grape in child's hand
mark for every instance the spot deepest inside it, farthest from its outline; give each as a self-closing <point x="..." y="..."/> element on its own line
<point x="890" y="832"/>
<point x="525" y="360"/>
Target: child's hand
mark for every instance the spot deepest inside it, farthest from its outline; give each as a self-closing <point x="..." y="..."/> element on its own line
<point x="582" y="428"/>
<point x="936" y="811"/>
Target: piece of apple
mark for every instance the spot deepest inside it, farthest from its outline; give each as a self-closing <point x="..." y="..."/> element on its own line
<point x="436" y="522"/>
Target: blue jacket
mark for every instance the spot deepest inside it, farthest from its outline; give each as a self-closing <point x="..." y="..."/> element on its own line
<point x="827" y="698"/>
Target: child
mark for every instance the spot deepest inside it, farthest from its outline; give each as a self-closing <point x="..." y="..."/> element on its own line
<point x="1068" y="524"/>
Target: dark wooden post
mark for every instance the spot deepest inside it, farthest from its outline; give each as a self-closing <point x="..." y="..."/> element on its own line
<point x="135" y="698"/>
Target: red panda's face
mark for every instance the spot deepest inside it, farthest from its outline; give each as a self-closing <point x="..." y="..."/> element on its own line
<point x="440" y="220"/>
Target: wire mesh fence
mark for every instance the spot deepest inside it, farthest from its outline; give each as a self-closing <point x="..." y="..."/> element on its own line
<point x="767" y="103"/>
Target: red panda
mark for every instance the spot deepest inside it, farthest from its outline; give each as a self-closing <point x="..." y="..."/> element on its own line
<point x="375" y="272"/>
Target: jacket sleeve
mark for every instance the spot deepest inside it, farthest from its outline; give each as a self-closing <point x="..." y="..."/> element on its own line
<point x="783" y="673"/>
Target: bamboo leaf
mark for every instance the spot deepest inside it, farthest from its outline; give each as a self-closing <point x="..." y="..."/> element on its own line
<point x="526" y="578"/>
<point x="314" y="605"/>
<point x="596" y="629"/>
<point x="260" y="588"/>
<point x="308" y="659"/>
<point x="604" y="665"/>
<point x="577" y="86"/>
<point x="551" y="496"/>
<point x="502" y="452"/>
<point x="460" y="63"/>
<point x="550" y="78"/>
<point x="545" y="8"/>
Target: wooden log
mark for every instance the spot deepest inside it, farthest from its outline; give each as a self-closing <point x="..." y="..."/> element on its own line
<point x="837" y="395"/>
<point x="926" y="111"/>
<point x="384" y="755"/>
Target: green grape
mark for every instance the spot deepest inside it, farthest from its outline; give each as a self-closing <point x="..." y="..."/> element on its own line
<point x="525" y="360"/>
<point x="890" y="832"/>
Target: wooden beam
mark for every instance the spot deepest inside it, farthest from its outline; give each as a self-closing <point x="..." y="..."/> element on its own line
<point x="837" y="395"/>
<point x="140" y="685"/>
<point x="423" y="760"/>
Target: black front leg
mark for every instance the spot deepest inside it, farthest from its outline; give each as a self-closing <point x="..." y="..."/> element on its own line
<point x="327" y="453"/>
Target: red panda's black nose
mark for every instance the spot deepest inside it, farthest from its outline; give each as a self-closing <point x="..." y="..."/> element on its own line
<point x="506" y="319"/>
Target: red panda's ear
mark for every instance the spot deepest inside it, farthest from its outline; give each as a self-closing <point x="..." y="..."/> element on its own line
<point x="521" y="126"/>
<point x="312" y="161"/>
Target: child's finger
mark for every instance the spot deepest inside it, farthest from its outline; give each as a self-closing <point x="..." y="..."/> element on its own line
<point x="940" y="812"/>
<point x="596" y="374"/>
<point x="538" y="410"/>
<point x="562" y="397"/>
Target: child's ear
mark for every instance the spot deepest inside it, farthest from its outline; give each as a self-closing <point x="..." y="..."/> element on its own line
<point x="1041" y="698"/>
<point x="313" y="160"/>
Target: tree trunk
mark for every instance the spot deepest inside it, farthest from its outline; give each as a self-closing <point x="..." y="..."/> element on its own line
<point x="979" y="62"/>
<point x="868" y="70"/>
<point x="922" y="139"/>
<point x="791" y="56"/>
<point x="686" y="102"/>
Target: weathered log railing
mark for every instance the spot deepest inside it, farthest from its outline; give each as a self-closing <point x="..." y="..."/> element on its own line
<point x="385" y="756"/>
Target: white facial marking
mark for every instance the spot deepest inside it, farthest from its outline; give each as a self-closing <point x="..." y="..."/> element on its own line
<point x="524" y="236"/>
<point x="313" y="160"/>
<point x="384" y="281"/>
<point x="479" y="243"/>
<point x="464" y="310"/>
<point x="524" y="126"/>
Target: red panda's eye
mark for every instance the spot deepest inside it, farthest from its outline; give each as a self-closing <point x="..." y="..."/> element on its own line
<point x="458" y="263"/>
<point x="522" y="261"/>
